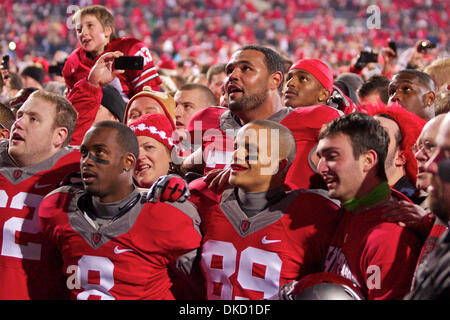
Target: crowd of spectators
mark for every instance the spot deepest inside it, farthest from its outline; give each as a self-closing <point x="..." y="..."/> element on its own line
<point x="208" y="31"/>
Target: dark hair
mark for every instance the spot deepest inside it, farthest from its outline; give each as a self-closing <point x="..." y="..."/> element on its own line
<point x="377" y="83"/>
<point x="207" y="93"/>
<point x="65" y="115"/>
<point x="365" y="134"/>
<point x="423" y="77"/>
<point x="274" y="62"/>
<point x="125" y="136"/>
<point x="15" y="81"/>
<point x="398" y="136"/>
<point x="7" y="117"/>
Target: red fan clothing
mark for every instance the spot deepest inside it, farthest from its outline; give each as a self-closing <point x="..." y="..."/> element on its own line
<point x="126" y="258"/>
<point x="78" y="66"/>
<point x="27" y="267"/>
<point x="378" y="256"/>
<point x="250" y="258"/>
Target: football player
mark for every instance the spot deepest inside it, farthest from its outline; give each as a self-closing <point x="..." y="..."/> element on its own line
<point x="258" y="237"/>
<point x="114" y="244"/>
<point x="253" y="87"/>
<point x="32" y="163"/>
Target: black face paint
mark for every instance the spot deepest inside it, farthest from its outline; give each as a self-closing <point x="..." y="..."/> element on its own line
<point x="444" y="170"/>
<point x="98" y="160"/>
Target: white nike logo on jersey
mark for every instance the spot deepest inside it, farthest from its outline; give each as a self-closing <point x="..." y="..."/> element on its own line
<point x="265" y="241"/>
<point x="39" y="186"/>
<point x="118" y="251"/>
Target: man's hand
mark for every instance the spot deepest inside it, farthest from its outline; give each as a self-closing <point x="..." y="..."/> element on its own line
<point x="389" y="58"/>
<point x="170" y="188"/>
<point x="409" y="215"/>
<point x="102" y="72"/>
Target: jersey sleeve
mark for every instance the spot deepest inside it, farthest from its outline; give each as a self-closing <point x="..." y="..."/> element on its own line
<point x="86" y="99"/>
<point x="52" y="212"/>
<point x="148" y="76"/>
<point x="177" y="231"/>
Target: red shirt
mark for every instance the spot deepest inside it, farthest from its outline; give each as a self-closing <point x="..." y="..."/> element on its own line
<point x="378" y="256"/>
<point x="27" y="267"/>
<point x="78" y="66"/>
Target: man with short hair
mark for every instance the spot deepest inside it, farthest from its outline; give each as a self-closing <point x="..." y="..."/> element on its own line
<point x="374" y="89"/>
<point x="257" y="236"/>
<point x="403" y="128"/>
<point x="189" y="99"/>
<point x="309" y="82"/>
<point x="33" y="162"/>
<point x="378" y="256"/>
<point x="113" y="243"/>
<point x="253" y="86"/>
<point x="433" y="280"/>
<point x="414" y="91"/>
<point x="214" y="79"/>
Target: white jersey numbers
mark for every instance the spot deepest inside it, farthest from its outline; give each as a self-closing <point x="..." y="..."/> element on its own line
<point x="14" y="243"/>
<point x="253" y="269"/>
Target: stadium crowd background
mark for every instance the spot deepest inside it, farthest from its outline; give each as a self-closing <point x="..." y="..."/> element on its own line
<point x="209" y="31"/>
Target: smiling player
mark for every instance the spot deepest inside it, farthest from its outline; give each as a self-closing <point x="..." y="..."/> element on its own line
<point x="115" y="244"/>
<point x="258" y="237"/>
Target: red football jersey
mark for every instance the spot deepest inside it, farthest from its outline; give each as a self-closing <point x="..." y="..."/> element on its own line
<point x="250" y="258"/>
<point x="27" y="268"/>
<point x="378" y="256"/>
<point x="127" y="258"/>
<point x="78" y="66"/>
<point x="305" y="124"/>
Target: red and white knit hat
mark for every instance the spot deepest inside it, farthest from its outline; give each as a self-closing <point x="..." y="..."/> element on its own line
<point x="155" y="126"/>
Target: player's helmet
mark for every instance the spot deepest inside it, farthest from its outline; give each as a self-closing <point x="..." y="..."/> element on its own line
<point x="328" y="291"/>
<point x="322" y="286"/>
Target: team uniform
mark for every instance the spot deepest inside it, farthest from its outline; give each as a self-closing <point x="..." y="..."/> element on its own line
<point x="250" y="258"/>
<point x="378" y="256"/>
<point x="127" y="258"/>
<point x="304" y="123"/>
<point x="27" y="268"/>
<point x="78" y="66"/>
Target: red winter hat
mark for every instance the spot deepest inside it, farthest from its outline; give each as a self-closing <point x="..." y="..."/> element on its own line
<point x="318" y="69"/>
<point x="156" y="126"/>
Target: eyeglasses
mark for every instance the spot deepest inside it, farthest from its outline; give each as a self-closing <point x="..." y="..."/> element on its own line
<point x="427" y="147"/>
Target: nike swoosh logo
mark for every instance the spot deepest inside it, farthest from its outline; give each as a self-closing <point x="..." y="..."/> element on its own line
<point x="40" y="186"/>
<point x="265" y="241"/>
<point x="119" y="251"/>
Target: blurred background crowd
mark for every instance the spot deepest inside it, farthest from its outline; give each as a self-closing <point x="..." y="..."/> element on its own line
<point x="206" y="32"/>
